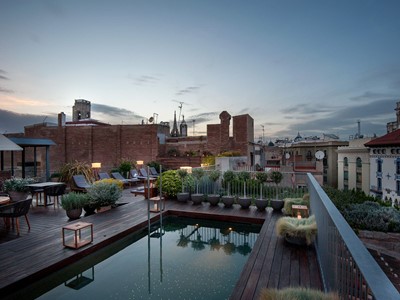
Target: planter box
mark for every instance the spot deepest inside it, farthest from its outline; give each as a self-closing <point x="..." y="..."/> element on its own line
<point x="277" y="205"/>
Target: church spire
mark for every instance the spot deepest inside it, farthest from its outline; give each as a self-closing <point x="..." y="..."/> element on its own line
<point x="175" y="131"/>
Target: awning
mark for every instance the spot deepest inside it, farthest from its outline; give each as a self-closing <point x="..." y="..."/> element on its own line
<point x="7" y="145"/>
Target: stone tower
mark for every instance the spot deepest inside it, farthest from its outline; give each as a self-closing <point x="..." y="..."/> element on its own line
<point x="183" y="127"/>
<point x="81" y="110"/>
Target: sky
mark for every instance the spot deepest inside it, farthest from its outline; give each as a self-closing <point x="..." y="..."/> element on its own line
<point x="308" y="66"/>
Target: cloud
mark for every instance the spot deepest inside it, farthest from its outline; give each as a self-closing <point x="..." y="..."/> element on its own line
<point x="343" y="121"/>
<point x="12" y="122"/>
<point x="368" y="96"/>
<point x="188" y="90"/>
<point x="2" y="90"/>
<point x="202" y="118"/>
<point x="2" y="75"/>
<point x="113" y="111"/>
<point x="144" y="79"/>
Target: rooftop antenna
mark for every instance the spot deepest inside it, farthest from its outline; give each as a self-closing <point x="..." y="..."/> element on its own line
<point x="180" y="111"/>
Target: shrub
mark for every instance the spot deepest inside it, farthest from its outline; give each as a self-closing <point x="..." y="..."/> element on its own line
<point x="125" y="166"/>
<point x="17" y="184"/>
<point x="171" y="183"/>
<point x="371" y="216"/>
<point x="244" y="175"/>
<point x="74" y="200"/>
<point x="75" y="168"/>
<point x="262" y="176"/>
<point x="104" y="192"/>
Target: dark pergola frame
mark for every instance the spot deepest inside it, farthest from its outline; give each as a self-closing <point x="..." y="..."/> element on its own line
<point x="26" y="143"/>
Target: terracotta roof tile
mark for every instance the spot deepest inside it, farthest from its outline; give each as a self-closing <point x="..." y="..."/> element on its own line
<point x="390" y="139"/>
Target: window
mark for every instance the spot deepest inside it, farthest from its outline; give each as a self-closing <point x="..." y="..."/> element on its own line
<point x="346" y="162"/>
<point x="379" y="165"/>
<point x="358" y="177"/>
<point x="398" y="187"/>
<point x="346" y="175"/>
<point x="359" y="162"/>
<point x="398" y="166"/>
<point x="379" y="184"/>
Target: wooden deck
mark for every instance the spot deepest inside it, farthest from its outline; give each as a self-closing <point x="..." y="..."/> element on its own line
<point x="38" y="252"/>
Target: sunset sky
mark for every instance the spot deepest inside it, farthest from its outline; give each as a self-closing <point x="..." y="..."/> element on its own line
<point x="308" y="66"/>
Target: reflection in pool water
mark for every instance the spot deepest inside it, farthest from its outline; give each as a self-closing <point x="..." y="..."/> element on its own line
<point x="182" y="259"/>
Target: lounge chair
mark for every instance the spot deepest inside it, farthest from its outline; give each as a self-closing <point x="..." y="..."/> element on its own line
<point x="126" y="182"/>
<point x="153" y="172"/>
<point x="80" y="183"/>
<point x="104" y="175"/>
<point x="16" y="210"/>
<point x="135" y="175"/>
<point x="144" y="173"/>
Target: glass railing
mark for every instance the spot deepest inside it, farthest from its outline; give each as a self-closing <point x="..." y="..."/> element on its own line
<point x="346" y="265"/>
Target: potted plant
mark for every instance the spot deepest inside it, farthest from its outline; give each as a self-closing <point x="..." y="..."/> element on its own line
<point x="244" y="201"/>
<point x="103" y="194"/>
<point x="183" y="196"/>
<point x="261" y="203"/>
<point x="68" y="170"/>
<point x="197" y="198"/>
<point x="299" y="231"/>
<point x="17" y="188"/>
<point x="214" y="198"/>
<point x="73" y="203"/>
<point x="277" y="204"/>
<point x="229" y="177"/>
<point x="171" y="184"/>
<point x="55" y="177"/>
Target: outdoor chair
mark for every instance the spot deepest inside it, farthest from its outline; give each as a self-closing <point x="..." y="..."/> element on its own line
<point x="54" y="191"/>
<point x="16" y="210"/>
<point x="135" y="175"/>
<point x="154" y="172"/>
<point x="104" y="175"/>
<point x="144" y="173"/>
<point x="118" y="176"/>
<point x="80" y="183"/>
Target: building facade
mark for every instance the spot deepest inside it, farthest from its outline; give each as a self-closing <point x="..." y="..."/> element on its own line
<point x="354" y="166"/>
<point x="385" y="167"/>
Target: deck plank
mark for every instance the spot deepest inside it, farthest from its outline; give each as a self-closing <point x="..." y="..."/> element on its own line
<point x="35" y="253"/>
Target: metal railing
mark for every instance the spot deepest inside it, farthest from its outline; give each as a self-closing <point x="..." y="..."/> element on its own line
<point x="346" y="265"/>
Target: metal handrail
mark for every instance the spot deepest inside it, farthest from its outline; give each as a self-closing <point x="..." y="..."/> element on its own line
<point x="346" y="265"/>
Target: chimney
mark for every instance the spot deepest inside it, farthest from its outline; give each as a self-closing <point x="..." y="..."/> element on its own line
<point x="61" y="119"/>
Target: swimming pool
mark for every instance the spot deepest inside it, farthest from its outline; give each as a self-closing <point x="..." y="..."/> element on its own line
<point x="181" y="258"/>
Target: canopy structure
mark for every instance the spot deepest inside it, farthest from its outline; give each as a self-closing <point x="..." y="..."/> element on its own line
<point x="20" y="143"/>
<point x="8" y="145"/>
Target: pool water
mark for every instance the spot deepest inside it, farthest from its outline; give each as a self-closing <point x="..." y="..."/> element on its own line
<point x="182" y="259"/>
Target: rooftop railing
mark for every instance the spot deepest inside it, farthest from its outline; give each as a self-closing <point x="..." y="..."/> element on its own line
<point x="346" y="265"/>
